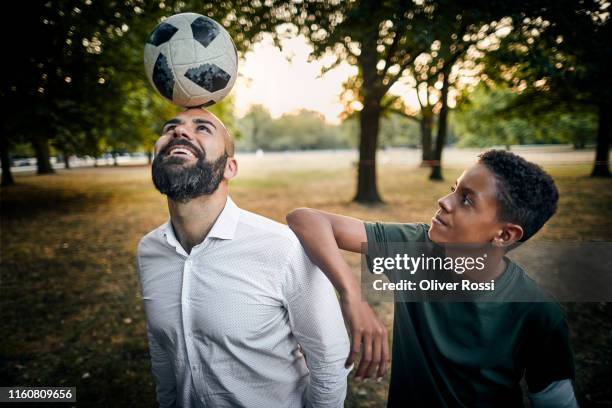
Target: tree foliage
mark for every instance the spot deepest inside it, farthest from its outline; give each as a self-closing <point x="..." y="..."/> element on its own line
<point x="485" y="117"/>
<point x="76" y="78"/>
<point x="558" y="57"/>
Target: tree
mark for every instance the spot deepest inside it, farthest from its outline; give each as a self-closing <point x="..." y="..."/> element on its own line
<point x="69" y="76"/>
<point x="559" y="56"/>
<point x="303" y="130"/>
<point x="255" y="125"/>
<point x="486" y="117"/>
<point x="385" y="40"/>
<point x="70" y="68"/>
<point x="362" y="33"/>
<point x="5" y="158"/>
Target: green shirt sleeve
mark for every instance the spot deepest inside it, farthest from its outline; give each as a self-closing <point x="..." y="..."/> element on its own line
<point x="550" y="357"/>
<point x="380" y="234"/>
<point x="385" y="232"/>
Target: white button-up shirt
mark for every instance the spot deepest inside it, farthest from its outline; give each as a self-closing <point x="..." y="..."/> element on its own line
<point x="244" y="320"/>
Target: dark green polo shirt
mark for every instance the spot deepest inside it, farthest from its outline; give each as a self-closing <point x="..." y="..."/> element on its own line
<point x="472" y="354"/>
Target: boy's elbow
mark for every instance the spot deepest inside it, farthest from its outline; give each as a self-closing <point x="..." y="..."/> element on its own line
<point x="297" y="216"/>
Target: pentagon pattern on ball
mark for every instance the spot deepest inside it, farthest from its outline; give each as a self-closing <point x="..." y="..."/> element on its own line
<point x="208" y="76"/>
<point x="191" y="60"/>
<point x="204" y="30"/>
<point x="162" y="76"/>
<point x="161" y="34"/>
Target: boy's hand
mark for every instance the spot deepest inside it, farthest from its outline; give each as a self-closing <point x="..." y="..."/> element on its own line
<point x="368" y="335"/>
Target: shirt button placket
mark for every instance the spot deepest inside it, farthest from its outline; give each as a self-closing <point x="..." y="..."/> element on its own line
<point x="192" y="355"/>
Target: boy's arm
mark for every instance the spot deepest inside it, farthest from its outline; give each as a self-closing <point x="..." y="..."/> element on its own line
<point x="550" y="367"/>
<point x="558" y="394"/>
<point x="323" y="235"/>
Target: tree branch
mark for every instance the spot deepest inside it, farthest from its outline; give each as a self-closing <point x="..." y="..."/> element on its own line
<point x="403" y="66"/>
<point x="404" y="114"/>
<point x="398" y="35"/>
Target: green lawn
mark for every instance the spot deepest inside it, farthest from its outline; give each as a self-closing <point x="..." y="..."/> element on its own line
<point x="71" y="312"/>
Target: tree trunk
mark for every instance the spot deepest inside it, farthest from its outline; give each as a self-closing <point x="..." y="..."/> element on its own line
<point x="149" y="157"/>
<point x="602" y="160"/>
<point x="436" y="169"/>
<point x="66" y="160"/>
<point x="369" y="119"/>
<point x="579" y="143"/>
<point x="115" y="162"/>
<point x="5" y="157"/>
<point x="426" y="124"/>
<point x="41" y="147"/>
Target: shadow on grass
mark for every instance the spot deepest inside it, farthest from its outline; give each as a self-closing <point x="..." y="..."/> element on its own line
<point x="27" y="200"/>
<point x="71" y="314"/>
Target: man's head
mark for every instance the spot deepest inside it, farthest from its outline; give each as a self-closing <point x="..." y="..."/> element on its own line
<point x="503" y="199"/>
<point x="193" y="156"/>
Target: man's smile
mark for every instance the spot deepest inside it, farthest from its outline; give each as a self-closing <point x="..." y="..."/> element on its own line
<point x="181" y="148"/>
<point x="181" y="151"/>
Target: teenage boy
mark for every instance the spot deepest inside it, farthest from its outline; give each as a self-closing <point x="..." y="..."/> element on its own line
<point x="468" y="354"/>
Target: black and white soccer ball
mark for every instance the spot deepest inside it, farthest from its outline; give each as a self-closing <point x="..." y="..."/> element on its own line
<point x="191" y="60"/>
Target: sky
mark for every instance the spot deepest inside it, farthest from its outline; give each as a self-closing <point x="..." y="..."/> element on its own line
<point x="285" y="82"/>
<point x="269" y="78"/>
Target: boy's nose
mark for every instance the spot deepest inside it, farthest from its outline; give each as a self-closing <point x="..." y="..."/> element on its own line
<point x="445" y="203"/>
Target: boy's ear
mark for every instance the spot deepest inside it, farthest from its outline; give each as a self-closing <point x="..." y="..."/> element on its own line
<point x="508" y="235"/>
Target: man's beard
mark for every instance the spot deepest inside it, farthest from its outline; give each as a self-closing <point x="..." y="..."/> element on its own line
<point x="183" y="183"/>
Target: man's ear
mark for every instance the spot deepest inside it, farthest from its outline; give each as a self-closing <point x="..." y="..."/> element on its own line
<point x="509" y="234"/>
<point x="231" y="168"/>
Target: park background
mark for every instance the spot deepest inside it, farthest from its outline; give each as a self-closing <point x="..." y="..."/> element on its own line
<point x="409" y="94"/>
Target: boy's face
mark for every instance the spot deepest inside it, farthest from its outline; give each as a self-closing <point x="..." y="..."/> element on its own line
<point x="468" y="214"/>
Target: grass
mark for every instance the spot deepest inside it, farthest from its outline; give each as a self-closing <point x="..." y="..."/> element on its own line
<point x="71" y="313"/>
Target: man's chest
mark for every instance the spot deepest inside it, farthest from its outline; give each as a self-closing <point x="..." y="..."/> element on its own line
<point x="213" y="301"/>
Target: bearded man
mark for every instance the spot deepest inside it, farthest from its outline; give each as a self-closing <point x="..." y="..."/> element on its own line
<point x="237" y="315"/>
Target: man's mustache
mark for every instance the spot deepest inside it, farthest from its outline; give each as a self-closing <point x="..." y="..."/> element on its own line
<point x="181" y="142"/>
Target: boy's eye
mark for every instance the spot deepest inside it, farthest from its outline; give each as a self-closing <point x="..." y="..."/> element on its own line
<point x="202" y="127"/>
<point x="466" y="200"/>
<point x="169" y="128"/>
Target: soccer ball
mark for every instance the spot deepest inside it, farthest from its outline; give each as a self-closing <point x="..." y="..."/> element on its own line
<point x="191" y="60"/>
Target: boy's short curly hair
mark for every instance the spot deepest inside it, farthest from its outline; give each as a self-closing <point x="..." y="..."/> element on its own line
<point x="526" y="194"/>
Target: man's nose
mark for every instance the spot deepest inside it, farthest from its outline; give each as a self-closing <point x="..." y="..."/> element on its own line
<point x="181" y="131"/>
<point x="445" y="203"/>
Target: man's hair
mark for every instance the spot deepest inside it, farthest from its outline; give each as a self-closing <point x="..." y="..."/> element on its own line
<point x="526" y="194"/>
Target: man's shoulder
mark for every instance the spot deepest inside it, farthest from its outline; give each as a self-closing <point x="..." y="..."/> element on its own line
<point x="258" y="225"/>
<point x="151" y="239"/>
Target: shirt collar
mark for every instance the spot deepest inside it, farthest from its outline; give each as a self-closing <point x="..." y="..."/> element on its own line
<point x="226" y="223"/>
<point x="223" y="228"/>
